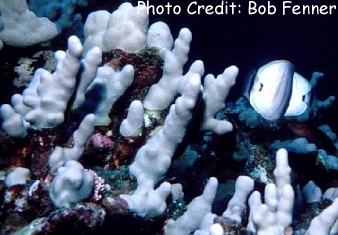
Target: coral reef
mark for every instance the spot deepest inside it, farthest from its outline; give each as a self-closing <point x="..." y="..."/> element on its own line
<point x="123" y="137"/>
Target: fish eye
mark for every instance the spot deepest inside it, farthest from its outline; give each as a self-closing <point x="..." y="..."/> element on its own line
<point x="260" y="89"/>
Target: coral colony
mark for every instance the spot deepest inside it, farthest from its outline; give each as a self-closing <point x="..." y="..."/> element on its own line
<point x="118" y="138"/>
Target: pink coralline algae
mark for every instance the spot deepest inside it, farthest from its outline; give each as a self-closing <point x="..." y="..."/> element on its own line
<point x="100" y="141"/>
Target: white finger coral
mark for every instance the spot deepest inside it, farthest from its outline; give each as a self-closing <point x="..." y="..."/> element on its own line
<point x="72" y="184"/>
<point x="22" y="27"/>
